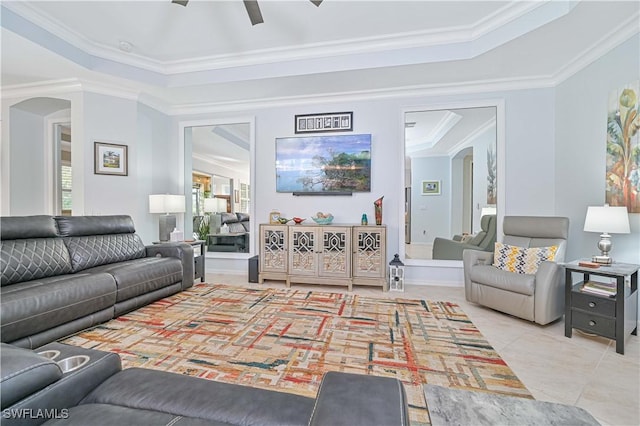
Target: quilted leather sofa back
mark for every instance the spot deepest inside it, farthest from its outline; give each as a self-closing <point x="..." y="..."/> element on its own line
<point x="34" y="247"/>
<point x="31" y="249"/>
<point x="99" y="240"/>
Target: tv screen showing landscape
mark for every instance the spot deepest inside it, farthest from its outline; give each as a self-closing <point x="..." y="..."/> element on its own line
<point x="324" y="164"/>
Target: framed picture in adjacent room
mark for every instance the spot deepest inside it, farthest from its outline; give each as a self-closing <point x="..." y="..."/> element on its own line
<point x="110" y="159"/>
<point x="430" y="187"/>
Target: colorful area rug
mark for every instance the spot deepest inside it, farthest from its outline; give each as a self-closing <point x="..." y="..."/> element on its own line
<point x="287" y="339"/>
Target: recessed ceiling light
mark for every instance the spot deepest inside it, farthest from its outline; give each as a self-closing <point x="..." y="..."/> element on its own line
<point x="125" y="46"/>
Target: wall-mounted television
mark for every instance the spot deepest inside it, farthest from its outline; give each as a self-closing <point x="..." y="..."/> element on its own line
<point x="323" y="165"/>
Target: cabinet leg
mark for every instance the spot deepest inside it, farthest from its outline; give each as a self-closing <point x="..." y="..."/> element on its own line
<point x="620" y="345"/>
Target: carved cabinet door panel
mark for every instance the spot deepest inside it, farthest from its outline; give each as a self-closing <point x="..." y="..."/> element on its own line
<point x="273" y="248"/>
<point x="369" y="258"/>
<point x="303" y="248"/>
<point x="335" y="252"/>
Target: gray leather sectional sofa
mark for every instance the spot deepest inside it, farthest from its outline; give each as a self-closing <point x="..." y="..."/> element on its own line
<point x="39" y="390"/>
<point x="64" y="274"/>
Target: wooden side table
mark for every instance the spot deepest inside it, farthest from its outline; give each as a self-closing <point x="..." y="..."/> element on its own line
<point x="614" y="317"/>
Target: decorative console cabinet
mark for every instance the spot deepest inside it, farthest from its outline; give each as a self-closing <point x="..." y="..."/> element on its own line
<point x="324" y="254"/>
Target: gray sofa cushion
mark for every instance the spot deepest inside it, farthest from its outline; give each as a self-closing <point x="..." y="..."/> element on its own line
<point x="205" y="399"/>
<point x="111" y="415"/>
<point x="33" y="306"/>
<point x="228" y="218"/>
<point x="25" y="260"/>
<point x="90" y="251"/>
<point x="20" y="227"/>
<point x="76" y="226"/>
<point x="491" y="276"/>
<point x="141" y="276"/>
<point x="236" y="228"/>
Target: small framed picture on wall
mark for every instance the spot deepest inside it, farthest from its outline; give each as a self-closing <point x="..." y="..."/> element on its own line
<point x="430" y="187"/>
<point x="110" y="159"/>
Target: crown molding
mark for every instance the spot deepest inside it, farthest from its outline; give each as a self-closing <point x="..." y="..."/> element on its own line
<point x="438" y="131"/>
<point x="481" y="86"/>
<point x="66" y="86"/>
<point x="511" y="21"/>
<point x="624" y="32"/>
<point x="468" y="140"/>
<point x="42" y="88"/>
<point x="613" y="39"/>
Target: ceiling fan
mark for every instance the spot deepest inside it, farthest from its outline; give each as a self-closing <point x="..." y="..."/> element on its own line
<point x="253" y="9"/>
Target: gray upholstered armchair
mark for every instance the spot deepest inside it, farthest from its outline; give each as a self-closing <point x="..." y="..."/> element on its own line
<point x="538" y="296"/>
<point x="484" y="240"/>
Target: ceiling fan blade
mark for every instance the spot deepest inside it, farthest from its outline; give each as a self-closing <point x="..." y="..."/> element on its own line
<point x="180" y="2"/>
<point x="316" y="2"/>
<point x="254" y="11"/>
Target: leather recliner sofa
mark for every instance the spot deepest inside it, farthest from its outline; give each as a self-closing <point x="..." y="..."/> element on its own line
<point x="37" y="390"/>
<point x="237" y="238"/>
<point x="64" y="274"/>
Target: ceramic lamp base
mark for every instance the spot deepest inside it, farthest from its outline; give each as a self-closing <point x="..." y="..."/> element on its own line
<point x="167" y="224"/>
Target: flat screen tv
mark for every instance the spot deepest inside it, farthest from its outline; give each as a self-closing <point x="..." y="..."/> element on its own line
<point x="323" y="165"/>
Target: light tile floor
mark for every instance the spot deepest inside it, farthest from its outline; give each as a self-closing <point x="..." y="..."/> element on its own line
<point x="584" y="371"/>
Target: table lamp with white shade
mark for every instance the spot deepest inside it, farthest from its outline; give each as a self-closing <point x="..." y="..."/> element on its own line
<point x="215" y="205"/>
<point x="166" y="204"/>
<point x="488" y="210"/>
<point x="606" y="219"/>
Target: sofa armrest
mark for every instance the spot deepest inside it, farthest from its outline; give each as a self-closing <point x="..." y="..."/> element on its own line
<point x="549" y="296"/>
<point x="471" y="258"/>
<point x="23" y="373"/>
<point x="182" y="251"/>
<point x="354" y="399"/>
<point x="65" y="392"/>
<point x="477" y="257"/>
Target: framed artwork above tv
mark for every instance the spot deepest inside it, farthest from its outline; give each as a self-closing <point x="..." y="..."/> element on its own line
<point x="324" y="165"/>
<point x="327" y="122"/>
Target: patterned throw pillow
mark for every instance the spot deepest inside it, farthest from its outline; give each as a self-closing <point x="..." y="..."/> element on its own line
<point x="522" y="260"/>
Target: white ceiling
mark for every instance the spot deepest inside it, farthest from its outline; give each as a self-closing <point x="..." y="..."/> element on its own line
<point x="445" y="132"/>
<point x="222" y="146"/>
<point x="208" y="54"/>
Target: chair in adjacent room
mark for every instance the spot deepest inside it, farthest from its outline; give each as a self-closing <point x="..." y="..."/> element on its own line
<point x="444" y="249"/>
<point x="524" y="277"/>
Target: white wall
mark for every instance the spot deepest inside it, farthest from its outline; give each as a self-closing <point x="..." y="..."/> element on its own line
<point x="152" y="145"/>
<point x="94" y="117"/>
<point x="580" y="131"/>
<point x="529" y="156"/>
<point x="480" y="173"/>
<point x="554" y="154"/>
<point x="111" y="120"/>
<point x="27" y="181"/>
<point x="427" y="220"/>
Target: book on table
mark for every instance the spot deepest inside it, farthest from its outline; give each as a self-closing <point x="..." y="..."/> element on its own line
<point x="600" y="288"/>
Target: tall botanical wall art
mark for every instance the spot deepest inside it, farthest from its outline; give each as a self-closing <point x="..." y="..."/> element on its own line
<point x="492" y="190"/>
<point x="623" y="148"/>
